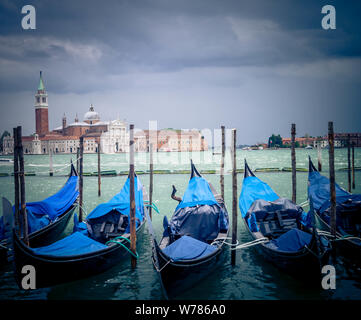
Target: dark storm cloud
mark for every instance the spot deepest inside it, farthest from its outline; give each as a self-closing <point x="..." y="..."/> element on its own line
<point x="250" y="57"/>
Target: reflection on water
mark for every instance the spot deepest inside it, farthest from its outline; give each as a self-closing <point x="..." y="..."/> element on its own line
<point x="250" y="278"/>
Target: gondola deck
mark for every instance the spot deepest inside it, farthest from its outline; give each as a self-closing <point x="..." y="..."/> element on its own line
<point x="52" y="231"/>
<point x="292" y="246"/>
<point x="348" y="213"/>
<point x="82" y="254"/>
<point x="176" y="276"/>
<point x="53" y="270"/>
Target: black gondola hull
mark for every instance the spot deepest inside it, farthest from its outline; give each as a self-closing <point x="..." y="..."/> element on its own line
<point x="51" y="232"/>
<point x="44" y="236"/>
<point x="301" y="264"/>
<point x="3" y="256"/>
<point x="349" y="249"/>
<point x="52" y="270"/>
<point x="177" y="277"/>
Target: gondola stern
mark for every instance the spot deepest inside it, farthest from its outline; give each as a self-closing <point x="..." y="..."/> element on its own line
<point x="311" y="167"/>
<point x="73" y="172"/>
<point x="247" y="171"/>
<point x="194" y="171"/>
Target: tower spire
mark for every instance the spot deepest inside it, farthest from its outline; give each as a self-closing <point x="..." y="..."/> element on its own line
<point x="41" y="86"/>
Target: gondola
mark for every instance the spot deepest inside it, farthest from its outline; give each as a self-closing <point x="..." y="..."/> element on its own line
<point x="95" y="245"/>
<point x="47" y="219"/>
<point x="348" y="212"/>
<point x="193" y="239"/>
<point x="291" y="244"/>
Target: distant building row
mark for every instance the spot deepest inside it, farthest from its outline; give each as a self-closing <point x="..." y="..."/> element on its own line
<point x="112" y="136"/>
<point x="340" y="140"/>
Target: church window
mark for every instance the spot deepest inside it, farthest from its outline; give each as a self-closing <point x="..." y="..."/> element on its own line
<point x="38" y="99"/>
<point x="44" y="99"/>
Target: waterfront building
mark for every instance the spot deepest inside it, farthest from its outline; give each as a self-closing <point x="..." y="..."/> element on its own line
<point x="170" y="140"/>
<point x="116" y="138"/>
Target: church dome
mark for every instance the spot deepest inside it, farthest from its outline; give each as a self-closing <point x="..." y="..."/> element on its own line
<point x="91" y="115"/>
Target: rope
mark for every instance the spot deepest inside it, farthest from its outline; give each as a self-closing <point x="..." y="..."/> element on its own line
<point x="160" y="270"/>
<point x="251" y="243"/>
<point x="318" y="257"/>
<point x="86" y="213"/>
<point x="225" y="242"/>
<point x="136" y="255"/>
<point x="304" y="204"/>
<point x="4" y="247"/>
<point x="338" y="238"/>
<point x="153" y="206"/>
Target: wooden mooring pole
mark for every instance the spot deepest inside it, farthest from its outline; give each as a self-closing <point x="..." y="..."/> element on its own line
<point x="77" y="159"/>
<point x="319" y="155"/>
<point x="51" y="170"/>
<point x="293" y="160"/>
<point x="150" y="179"/>
<point x="331" y="152"/>
<point x="81" y="153"/>
<point x="221" y="179"/>
<point x="349" y="162"/>
<point x="234" y="196"/>
<point x="133" y="236"/>
<point x="99" y="172"/>
<point x="24" y="216"/>
<point x="16" y="181"/>
<point x="353" y="165"/>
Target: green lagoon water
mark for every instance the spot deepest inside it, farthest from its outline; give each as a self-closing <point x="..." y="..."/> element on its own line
<point x="251" y="278"/>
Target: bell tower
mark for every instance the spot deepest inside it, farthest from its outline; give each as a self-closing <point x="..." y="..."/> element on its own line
<point x="41" y="109"/>
<point x="64" y="125"/>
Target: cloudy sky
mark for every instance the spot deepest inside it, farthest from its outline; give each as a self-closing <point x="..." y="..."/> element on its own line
<point x="254" y="65"/>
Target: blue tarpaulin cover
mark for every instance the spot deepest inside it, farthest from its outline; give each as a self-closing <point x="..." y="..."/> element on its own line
<point x="319" y="196"/>
<point x="291" y="241"/>
<point x="79" y="226"/>
<point x="198" y="193"/>
<point x="187" y="248"/>
<point x="319" y="192"/>
<point x="58" y="203"/>
<point x="79" y="241"/>
<point x="42" y="213"/>
<point x="257" y="200"/>
<point x="75" y="244"/>
<point x="254" y="189"/>
<point x="121" y="203"/>
<point x="199" y="215"/>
